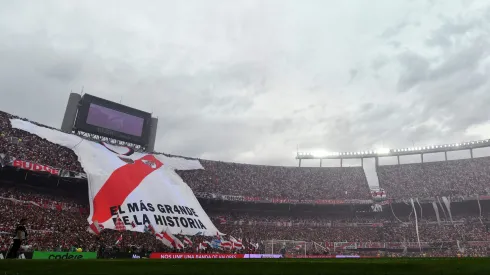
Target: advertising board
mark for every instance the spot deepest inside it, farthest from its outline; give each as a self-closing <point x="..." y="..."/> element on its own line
<point x="64" y="255"/>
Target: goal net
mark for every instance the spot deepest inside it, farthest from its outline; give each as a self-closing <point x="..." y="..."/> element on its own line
<point x="293" y="247"/>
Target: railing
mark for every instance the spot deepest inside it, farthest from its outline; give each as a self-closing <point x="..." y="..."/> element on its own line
<point x="304" y="248"/>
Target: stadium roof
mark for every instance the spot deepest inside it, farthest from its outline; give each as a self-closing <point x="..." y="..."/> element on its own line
<point x="386" y="152"/>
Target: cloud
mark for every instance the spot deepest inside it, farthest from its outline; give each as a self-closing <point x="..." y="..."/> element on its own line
<point x="249" y="81"/>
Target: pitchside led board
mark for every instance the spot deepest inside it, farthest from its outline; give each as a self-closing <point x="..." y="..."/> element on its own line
<point x="109" y="119"/>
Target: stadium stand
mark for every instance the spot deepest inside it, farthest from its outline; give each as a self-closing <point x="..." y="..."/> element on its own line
<point x="57" y="209"/>
<point x="449" y="178"/>
<point x="22" y="145"/>
<point x="299" y="183"/>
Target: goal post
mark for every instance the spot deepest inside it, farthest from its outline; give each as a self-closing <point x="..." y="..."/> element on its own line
<point x="293" y="247"/>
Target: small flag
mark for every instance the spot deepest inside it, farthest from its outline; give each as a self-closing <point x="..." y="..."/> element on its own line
<point x="187" y="241"/>
<point x="236" y="243"/>
<point x="95" y="228"/>
<point x="226" y="244"/>
<point x="151" y="229"/>
<point x="133" y="224"/>
<point x="165" y="239"/>
<point x="120" y="225"/>
<point x="119" y="239"/>
<point x="222" y="220"/>
<point x="169" y="240"/>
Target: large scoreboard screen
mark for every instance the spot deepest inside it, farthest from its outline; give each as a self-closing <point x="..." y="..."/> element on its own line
<point x="106" y="118"/>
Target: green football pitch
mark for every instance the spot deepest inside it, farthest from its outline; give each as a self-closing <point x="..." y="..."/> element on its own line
<point x="418" y="266"/>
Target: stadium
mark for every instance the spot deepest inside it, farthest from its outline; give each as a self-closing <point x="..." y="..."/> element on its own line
<point x="420" y="210"/>
<point x="244" y="137"/>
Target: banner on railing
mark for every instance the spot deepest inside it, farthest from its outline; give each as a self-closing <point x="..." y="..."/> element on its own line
<point x="211" y="256"/>
<point x="35" y="167"/>
<point x="39" y="168"/>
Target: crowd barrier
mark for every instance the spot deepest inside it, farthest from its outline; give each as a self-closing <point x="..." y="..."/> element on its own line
<point x="328" y="256"/>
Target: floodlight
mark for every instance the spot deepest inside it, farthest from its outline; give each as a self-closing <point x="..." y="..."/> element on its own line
<point x="320" y="153"/>
<point x="383" y="151"/>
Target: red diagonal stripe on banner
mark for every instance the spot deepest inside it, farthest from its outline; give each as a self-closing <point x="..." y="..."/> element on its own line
<point x="120" y="184"/>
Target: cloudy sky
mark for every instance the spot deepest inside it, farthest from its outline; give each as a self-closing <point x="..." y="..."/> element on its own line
<point x="249" y="81"/>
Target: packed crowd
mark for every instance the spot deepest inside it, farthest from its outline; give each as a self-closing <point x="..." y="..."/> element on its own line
<point x="278" y="182"/>
<point x="22" y="145"/>
<point x="57" y="220"/>
<point x="57" y="229"/>
<point x="464" y="177"/>
<point x="421" y="180"/>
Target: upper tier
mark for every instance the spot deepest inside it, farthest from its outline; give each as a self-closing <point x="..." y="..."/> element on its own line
<point x="218" y="177"/>
<point x="431" y="179"/>
<point x="422" y="180"/>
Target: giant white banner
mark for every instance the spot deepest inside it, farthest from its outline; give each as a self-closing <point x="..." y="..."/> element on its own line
<point x="141" y="189"/>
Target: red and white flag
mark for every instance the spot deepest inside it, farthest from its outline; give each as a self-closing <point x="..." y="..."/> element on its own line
<point x="119" y="224"/>
<point x="236" y="243"/>
<point x="142" y="186"/>
<point x="187" y="241"/>
<point x="119" y="239"/>
<point x="151" y="229"/>
<point x="226" y="244"/>
<point x="169" y="240"/>
<point x="95" y="228"/>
